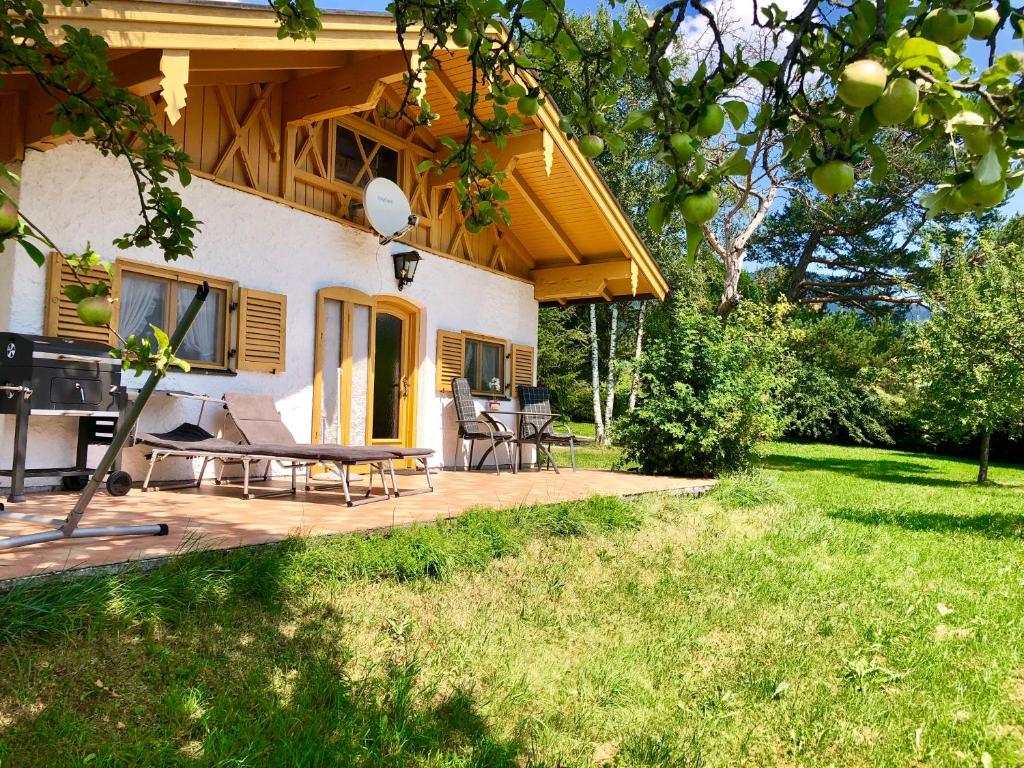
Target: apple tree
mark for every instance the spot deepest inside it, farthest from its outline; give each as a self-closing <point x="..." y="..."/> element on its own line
<point x="837" y="74"/>
<point x="969" y="358"/>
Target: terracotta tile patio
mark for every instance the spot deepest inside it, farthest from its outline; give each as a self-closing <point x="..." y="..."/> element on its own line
<point x="217" y="517"/>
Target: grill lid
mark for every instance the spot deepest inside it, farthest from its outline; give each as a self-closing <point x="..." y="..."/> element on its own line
<point x="20" y="349"/>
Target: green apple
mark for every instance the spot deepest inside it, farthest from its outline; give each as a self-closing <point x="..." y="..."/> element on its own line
<point x="8" y="217"/>
<point x="699" y="207"/>
<point x="462" y="37"/>
<point x="528" y="106"/>
<point x="985" y="23"/>
<point x="682" y="145"/>
<point x="897" y="102"/>
<point x="95" y="310"/>
<point x="565" y="125"/>
<point x="835" y="177"/>
<point x="591" y="145"/>
<point x="947" y="26"/>
<point x="861" y="83"/>
<point x="983" y="195"/>
<point x="711" y="121"/>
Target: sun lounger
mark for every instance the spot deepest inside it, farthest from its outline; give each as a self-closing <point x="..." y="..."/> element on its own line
<point x="265" y="437"/>
<point x="191" y="441"/>
<point x="256" y="418"/>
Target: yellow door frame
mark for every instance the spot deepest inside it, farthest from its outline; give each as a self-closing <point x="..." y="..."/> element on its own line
<point x="409" y="314"/>
<point x="349" y="298"/>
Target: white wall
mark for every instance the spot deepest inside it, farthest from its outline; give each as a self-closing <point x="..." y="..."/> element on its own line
<point x="79" y="196"/>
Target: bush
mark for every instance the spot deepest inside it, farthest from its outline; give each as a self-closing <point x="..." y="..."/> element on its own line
<point x="837" y="394"/>
<point x="709" y="392"/>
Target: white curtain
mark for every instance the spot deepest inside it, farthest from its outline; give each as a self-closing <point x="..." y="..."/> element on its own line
<point x="201" y="341"/>
<point x="141" y="304"/>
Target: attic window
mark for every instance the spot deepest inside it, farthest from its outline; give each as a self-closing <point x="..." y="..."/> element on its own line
<point x="357" y="159"/>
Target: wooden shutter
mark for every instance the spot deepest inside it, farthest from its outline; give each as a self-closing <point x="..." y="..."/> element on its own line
<point x="61" y="315"/>
<point x="451" y="357"/>
<point x="262" y="328"/>
<point x="522" y="367"/>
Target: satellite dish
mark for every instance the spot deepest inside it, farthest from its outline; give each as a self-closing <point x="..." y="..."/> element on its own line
<point x="387" y="209"/>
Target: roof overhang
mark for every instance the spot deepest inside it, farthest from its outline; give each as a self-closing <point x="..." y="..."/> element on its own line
<point x="621" y="267"/>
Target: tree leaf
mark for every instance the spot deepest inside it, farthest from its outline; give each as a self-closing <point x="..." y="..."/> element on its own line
<point x="988" y="170"/>
<point x="737" y="112"/>
<point x="879" y="163"/>
<point x="34" y="253"/>
<point x="75" y="292"/>
<point x="694" y="236"/>
<point x="921" y="52"/>
<point x="656" y="216"/>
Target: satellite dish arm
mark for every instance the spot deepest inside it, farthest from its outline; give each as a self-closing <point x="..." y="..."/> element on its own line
<point x="413" y="220"/>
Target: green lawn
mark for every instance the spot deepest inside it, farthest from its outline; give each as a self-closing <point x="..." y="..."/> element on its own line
<point x="840" y="607"/>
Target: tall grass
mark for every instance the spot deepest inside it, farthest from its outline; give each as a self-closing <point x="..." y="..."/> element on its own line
<point x="200" y="580"/>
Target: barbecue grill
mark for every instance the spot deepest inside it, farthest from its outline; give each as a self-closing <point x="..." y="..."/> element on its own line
<point x="46" y="376"/>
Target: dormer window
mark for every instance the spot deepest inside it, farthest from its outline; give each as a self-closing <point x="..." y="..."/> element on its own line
<point x="357" y="159"/>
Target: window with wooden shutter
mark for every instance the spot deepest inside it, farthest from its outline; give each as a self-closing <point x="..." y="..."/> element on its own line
<point x="61" y="315"/>
<point x="450" y="359"/>
<point x="262" y="323"/>
<point x="522" y="367"/>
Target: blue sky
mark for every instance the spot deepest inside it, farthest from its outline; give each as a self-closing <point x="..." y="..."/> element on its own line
<point x="975" y="50"/>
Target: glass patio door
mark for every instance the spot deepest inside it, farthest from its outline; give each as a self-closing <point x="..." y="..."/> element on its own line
<point x="395" y="367"/>
<point x="343" y="367"/>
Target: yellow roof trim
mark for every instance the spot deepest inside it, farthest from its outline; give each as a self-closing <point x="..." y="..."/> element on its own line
<point x="230" y="26"/>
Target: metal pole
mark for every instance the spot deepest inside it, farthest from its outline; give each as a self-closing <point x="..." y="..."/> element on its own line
<point x="127" y="424"/>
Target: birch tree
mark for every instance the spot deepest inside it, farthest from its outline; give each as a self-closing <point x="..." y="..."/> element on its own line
<point x="638" y="352"/>
<point x="595" y="375"/>
<point x="609" y="402"/>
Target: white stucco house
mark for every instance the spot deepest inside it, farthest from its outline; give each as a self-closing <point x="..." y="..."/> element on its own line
<point x="305" y="304"/>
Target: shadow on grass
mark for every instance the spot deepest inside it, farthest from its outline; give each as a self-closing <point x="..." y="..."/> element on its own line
<point x="899" y="471"/>
<point x="244" y="658"/>
<point x="300" y="700"/>
<point x="993" y="526"/>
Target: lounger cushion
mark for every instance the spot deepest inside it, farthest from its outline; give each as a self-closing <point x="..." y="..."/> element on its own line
<point x="411" y="453"/>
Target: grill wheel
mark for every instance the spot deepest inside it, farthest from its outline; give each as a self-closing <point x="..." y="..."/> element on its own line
<point x="119" y="483"/>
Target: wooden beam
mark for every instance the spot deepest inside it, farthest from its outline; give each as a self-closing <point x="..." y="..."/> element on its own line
<point x="239" y="76"/>
<point x="139" y="72"/>
<point x="227" y="61"/>
<point x="517" y="180"/>
<point x="527" y="143"/>
<point x="517" y="248"/>
<point x="381" y="136"/>
<point x="588" y="281"/>
<point x="353" y="88"/>
<point x="288" y="164"/>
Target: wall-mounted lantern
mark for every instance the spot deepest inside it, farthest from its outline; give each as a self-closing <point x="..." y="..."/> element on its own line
<point x="405" y="267"/>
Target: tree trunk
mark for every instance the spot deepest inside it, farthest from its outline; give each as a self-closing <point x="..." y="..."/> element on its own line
<point x="609" y="402"/>
<point x="595" y="376"/>
<point x="731" y="289"/>
<point x="634" y="387"/>
<point x="986" y="439"/>
<point x="794" y="289"/>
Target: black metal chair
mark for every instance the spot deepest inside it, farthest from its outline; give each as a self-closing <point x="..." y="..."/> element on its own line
<point x="535" y="426"/>
<point x="474" y="426"/>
